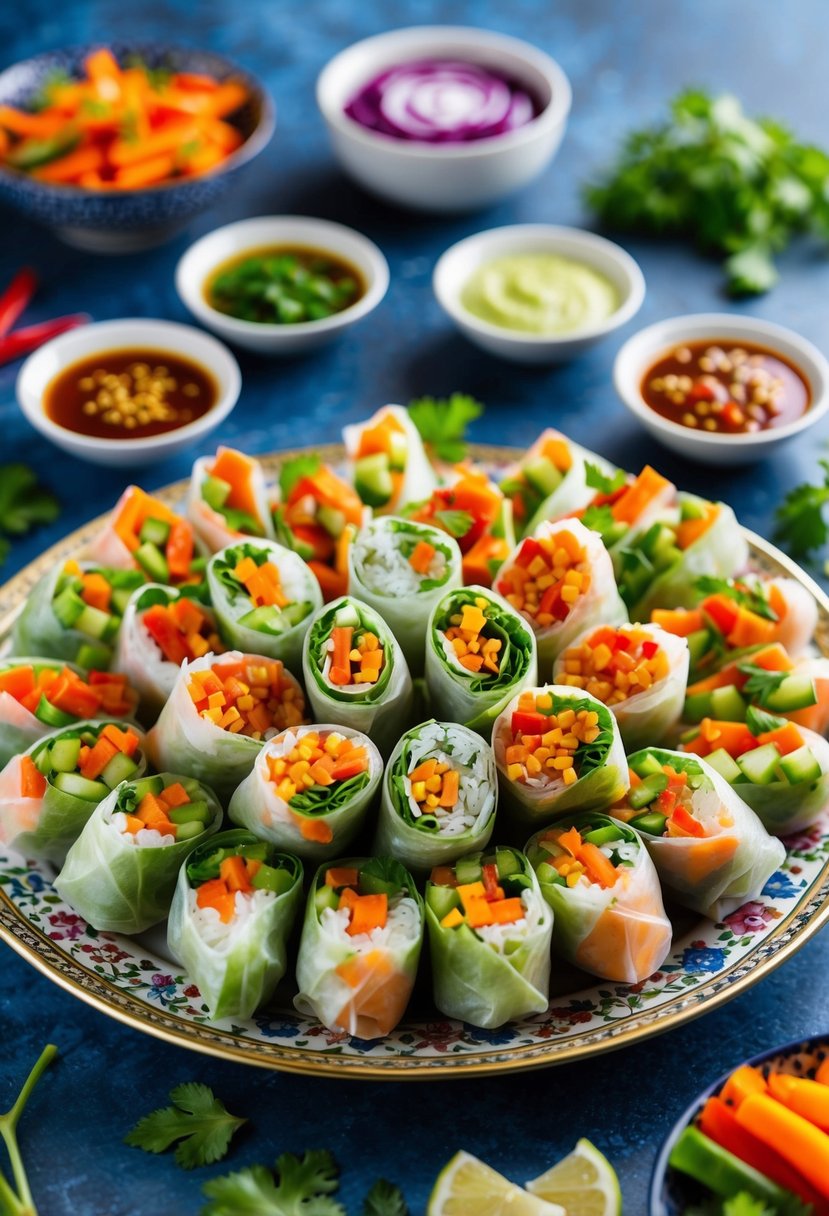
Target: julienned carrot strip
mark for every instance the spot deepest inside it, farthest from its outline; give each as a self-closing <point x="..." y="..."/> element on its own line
<point x="124" y="152"/>
<point x="146" y="173"/>
<point x="807" y="1098"/>
<point x="689" y="531"/>
<point x="179" y="549"/>
<point x="785" y="738"/>
<point x="802" y="1144"/>
<point x="233" y="872"/>
<point x="18" y="682"/>
<point x="42" y="125"/>
<point x="71" y="167"/>
<point x="102" y="63"/>
<point x="32" y="781"/>
<point x="600" y="869"/>
<point x="679" y="621"/>
<point x="743" y="1082"/>
<point x="629" y="506"/>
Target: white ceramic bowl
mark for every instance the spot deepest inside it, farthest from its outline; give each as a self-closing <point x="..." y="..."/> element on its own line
<point x="207" y="254"/>
<point x="459" y="263"/>
<point x="444" y="177"/>
<point x="645" y="347"/>
<point x="183" y="340"/>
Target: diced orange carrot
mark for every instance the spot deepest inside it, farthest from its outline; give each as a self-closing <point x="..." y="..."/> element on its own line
<point x="214" y="894"/>
<point x="234" y="874"/>
<point x="422" y="556"/>
<point x="337" y="877"/>
<point x="679" y="621"/>
<point x="18" y="682"/>
<point x="174" y="795"/>
<point x="368" y="912"/>
<point x="785" y="738"/>
<point x="98" y="758"/>
<point x="32" y="781"/>
<point x="505" y="911"/>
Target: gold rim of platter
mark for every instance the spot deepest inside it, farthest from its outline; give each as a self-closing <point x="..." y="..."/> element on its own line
<point x="788" y="935"/>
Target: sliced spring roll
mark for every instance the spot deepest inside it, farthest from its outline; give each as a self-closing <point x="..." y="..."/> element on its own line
<point x="553" y="480"/>
<point x="120" y="874"/>
<point x="162" y="629"/>
<point x="228" y="499"/>
<point x="489" y="933"/>
<point x="623" y="505"/>
<point x="479" y="653"/>
<point x="39" y="695"/>
<point x="440" y="791"/>
<point x="360" y="946"/>
<point x="473" y="510"/>
<point x="48" y="793"/>
<point x="235" y="903"/>
<point x="386" y="461"/>
<point x="599" y="880"/>
<point x="640" y="672"/>
<point x="558" y="750"/>
<point x="264" y="597"/>
<point x="143" y="534"/>
<point x="355" y="673"/>
<point x="562" y="582"/>
<point x="711" y="852"/>
<point x="310" y="790"/>
<point x="220" y="712"/>
<point x="401" y="569"/>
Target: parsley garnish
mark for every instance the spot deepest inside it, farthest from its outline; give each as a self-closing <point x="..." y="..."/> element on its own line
<point x="752" y="597"/>
<point x="23" y="503"/>
<point x="197" y="1119"/>
<point x="597" y="480"/>
<point x="800" y="525"/>
<point x="302" y="1187"/>
<point x="456" y="523"/>
<point x="294" y="470"/>
<point x="442" y="423"/>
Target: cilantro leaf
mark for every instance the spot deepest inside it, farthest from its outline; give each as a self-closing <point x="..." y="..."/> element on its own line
<point x="597" y="480"/>
<point x="197" y="1119"/>
<point x="23" y="502"/>
<point x="442" y="423"/>
<point x="303" y="1186"/>
<point x="384" y="1199"/>
<point x="758" y="721"/>
<point x="748" y="596"/>
<point x="800" y="524"/>
<point x="599" y="519"/>
<point x="761" y="683"/>
<point x="456" y="523"/>
<point x="294" y="470"/>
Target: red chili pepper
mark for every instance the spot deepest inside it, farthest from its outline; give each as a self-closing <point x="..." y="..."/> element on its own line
<point x="489" y="874"/>
<point x="22" y="341"/>
<point x="526" y="723"/>
<point x="15" y="298"/>
<point x="649" y="649"/>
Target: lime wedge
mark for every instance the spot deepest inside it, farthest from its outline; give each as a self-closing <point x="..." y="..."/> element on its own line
<point x="468" y="1187"/>
<point x="584" y="1183"/>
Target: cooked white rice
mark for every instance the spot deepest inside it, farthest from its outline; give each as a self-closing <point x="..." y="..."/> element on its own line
<point x="383" y="568"/>
<point x="214" y="931"/>
<point x="402" y="927"/>
<point x="146" y="838"/>
<point x="475" y="793"/>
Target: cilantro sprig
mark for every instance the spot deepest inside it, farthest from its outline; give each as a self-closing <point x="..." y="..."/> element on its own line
<point x="24" y="504"/>
<point x="442" y="423"/>
<point x="746" y="595"/>
<point x="456" y="523"/>
<point x="298" y="1186"/>
<point x="197" y="1120"/>
<point x="800" y="525"/>
<point x="601" y="482"/>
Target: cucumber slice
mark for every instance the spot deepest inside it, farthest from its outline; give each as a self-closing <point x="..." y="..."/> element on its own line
<point x="605" y="835"/>
<point x="646" y="765"/>
<point x="442" y="900"/>
<point x="120" y="768"/>
<point x="331" y="519"/>
<point x="265" y="619"/>
<point x="549" y="874"/>
<point x="801" y="765"/>
<point x="398" y="451"/>
<point x="67" y="607"/>
<point x="468" y="869"/>
<point x="80" y="787"/>
<point x="505" y="860"/>
<point x="63" y="755"/>
<point x="646" y="793"/>
<point x="651" y="822"/>
<point x="795" y="692"/>
<point x="119" y="599"/>
<point x="151" y="559"/>
<point x="699" y="643"/>
<point x="725" y="764"/>
<point x="326" y="897"/>
<point x="272" y="878"/>
<point x="191" y="812"/>
<point x="93" y="658"/>
<point x="51" y="715"/>
<point x="188" y="831"/>
<point x="147" y="785"/>
<point x="95" y="623"/>
<point x="373" y="480"/>
<point x="697" y="707"/>
<point x="154" y="532"/>
<point x="542" y="475"/>
<point x="347" y="617"/>
<point x="43" y="760"/>
<point x="727" y="705"/>
<point x="760" y="764"/>
<point x="215" y="491"/>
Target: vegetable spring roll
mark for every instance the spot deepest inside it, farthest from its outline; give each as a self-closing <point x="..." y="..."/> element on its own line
<point x="562" y="582"/>
<point x="120" y="874"/>
<point x="221" y="710"/>
<point x="143" y="534"/>
<point x="479" y="653"/>
<point x="639" y="671"/>
<point x="386" y="460"/>
<point x="39" y="695"/>
<point x="558" y="750"/>
<point x="264" y="597"/>
<point x="48" y="793"/>
<point x="551" y="481"/>
<point x="440" y="791"/>
<point x="228" y="499"/>
<point x="355" y="673"/>
<point x="489" y="933"/>
<point x="74" y="613"/>
<point x="476" y="513"/>
<point x="622" y="505"/>
<point x="401" y="569"/>
<point x="360" y="945"/>
<point x="162" y="629"/>
<point x="599" y="880"/>
<point x="310" y="790"/>
<point x="233" y="910"/>
<point x="711" y="852"/>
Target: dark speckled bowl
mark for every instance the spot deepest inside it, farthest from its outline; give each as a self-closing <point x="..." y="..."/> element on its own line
<point x="672" y="1193"/>
<point x="132" y="219"/>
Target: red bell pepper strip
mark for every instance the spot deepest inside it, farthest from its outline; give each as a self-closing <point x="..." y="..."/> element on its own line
<point x="15" y="298"/>
<point x="25" y="340"/>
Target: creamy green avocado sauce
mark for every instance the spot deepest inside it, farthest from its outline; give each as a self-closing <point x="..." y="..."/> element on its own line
<point x="540" y="293"/>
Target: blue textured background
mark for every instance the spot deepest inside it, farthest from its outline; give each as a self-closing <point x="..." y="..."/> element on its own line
<point x="624" y="60"/>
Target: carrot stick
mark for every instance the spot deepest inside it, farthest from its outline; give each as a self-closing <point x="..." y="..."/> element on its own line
<point x="32" y="781"/>
<point x="802" y="1144"/>
<point x="170" y="138"/>
<point x="72" y="166"/>
<point x="807" y="1098"/>
<point x="146" y="173"/>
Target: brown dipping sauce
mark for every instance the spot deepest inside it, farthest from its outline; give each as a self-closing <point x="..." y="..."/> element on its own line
<point x="726" y="387"/>
<point x="129" y="394"/>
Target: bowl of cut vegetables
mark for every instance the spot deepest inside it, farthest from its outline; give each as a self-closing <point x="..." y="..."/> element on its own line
<point x="117" y="147"/>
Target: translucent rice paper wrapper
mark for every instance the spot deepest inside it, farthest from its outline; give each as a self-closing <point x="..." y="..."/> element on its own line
<point x="649" y="716"/>
<point x="476" y="699"/>
<point x="299" y="585"/>
<point x="255" y="805"/>
<point x="783" y="808"/>
<point x="476" y="983"/>
<point x="210" y="526"/>
<point x="107" y="548"/>
<point x="620" y="933"/>
<point x="379" y="710"/>
<point x="19" y="727"/>
<point x="38" y="631"/>
<point x="572" y="493"/>
<point x="48" y="826"/>
<point x="390" y="586"/>
<point x="240" y="974"/>
<point x="419" y="478"/>
<point x="599" y="787"/>
<point x="360" y="989"/>
<point x="601" y="604"/>
<point x="796" y="627"/>
<point x="183" y="742"/>
<point x="716" y="874"/>
<point x="397" y="834"/>
<point x="119" y="885"/>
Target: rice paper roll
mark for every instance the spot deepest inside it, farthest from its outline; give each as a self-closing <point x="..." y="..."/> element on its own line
<point x="479" y="653"/>
<point x="599" y="880"/>
<point x="551" y="481"/>
<point x="120" y="874"/>
<point x="228" y="499"/>
<point x="360" y="946"/>
<point x="489" y="936"/>
<point x="640" y="672"/>
<point x="346" y="682"/>
<point x="561" y="581"/>
<point x="143" y="533"/>
<point x="711" y="852"/>
<point x="472" y="509"/>
<point x="264" y="597"/>
<point x="440" y="791"/>
<point x="235" y="903"/>
<point x="210" y="730"/>
<point x="558" y="750"/>
<point x="386" y="461"/>
<point x="310" y="790"/>
<point x="401" y="569"/>
<point x="49" y="792"/>
<point x="622" y="505"/>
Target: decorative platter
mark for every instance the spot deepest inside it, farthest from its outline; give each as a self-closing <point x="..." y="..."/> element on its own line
<point x="135" y="981"/>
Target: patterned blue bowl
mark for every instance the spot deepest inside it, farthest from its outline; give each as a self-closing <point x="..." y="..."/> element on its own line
<point x="130" y="219"/>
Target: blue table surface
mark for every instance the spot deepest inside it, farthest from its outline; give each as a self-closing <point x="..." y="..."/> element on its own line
<point x="624" y="62"/>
